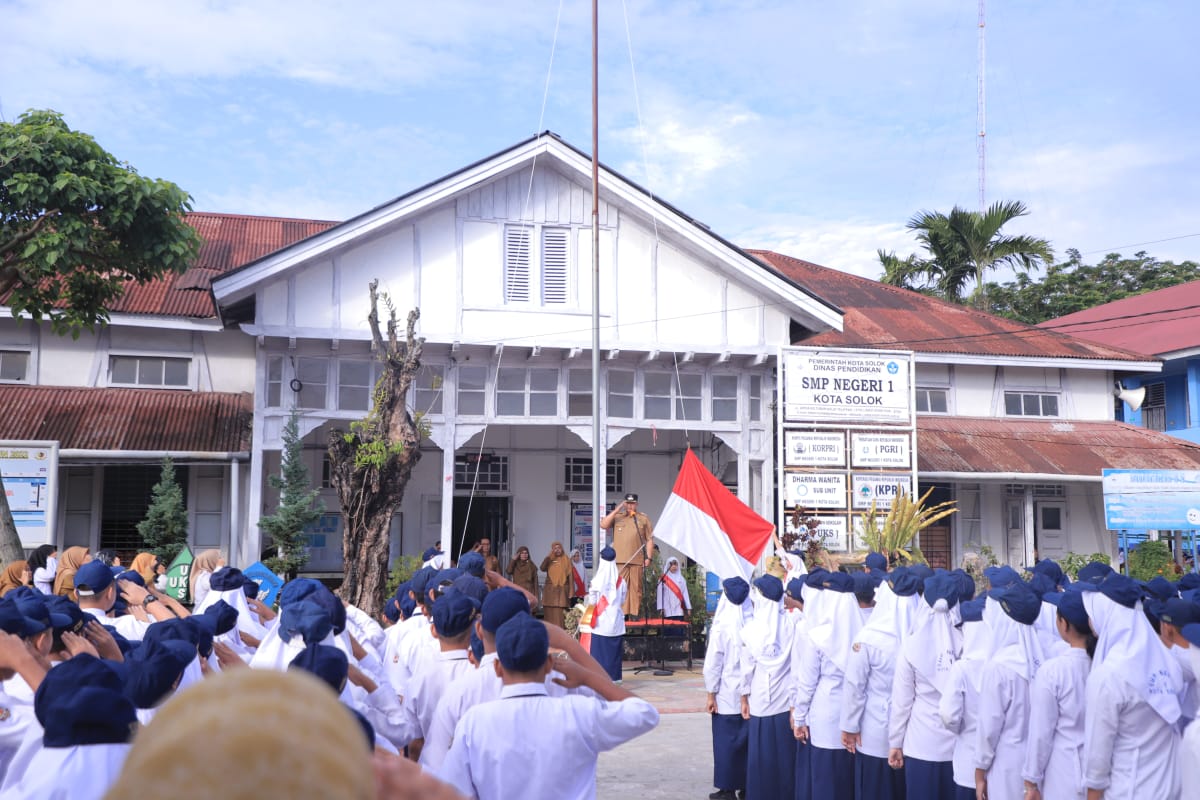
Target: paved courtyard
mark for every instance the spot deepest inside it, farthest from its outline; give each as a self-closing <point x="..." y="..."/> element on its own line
<point x="675" y="759"/>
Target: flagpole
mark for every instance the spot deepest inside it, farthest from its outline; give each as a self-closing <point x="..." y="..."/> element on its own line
<point x="598" y="472"/>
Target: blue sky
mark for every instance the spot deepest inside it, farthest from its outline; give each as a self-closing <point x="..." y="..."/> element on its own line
<point x="815" y="129"/>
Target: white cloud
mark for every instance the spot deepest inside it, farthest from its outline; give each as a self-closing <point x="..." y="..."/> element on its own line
<point x="845" y="245"/>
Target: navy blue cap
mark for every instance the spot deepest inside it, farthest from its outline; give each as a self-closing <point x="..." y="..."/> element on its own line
<point x="1042" y="584"/>
<point x="1051" y="569"/>
<point x="153" y="669"/>
<point x="429" y="553"/>
<point x="522" y="644"/>
<point x="903" y="583"/>
<point x="972" y="610"/>
<point x="306" y="619"/>
<point x="420" y="579"/>
<point x="226" y="579"/>
<point x="250" y="587"/>
<point x="476" y="646"/>
<point x="922" y="571"/>
<point x="14" y="622"/>
<point x="1180" y="612"/>
<point x="92" y="578"/>
<point x="1191" y="633"/>
<point x="64" y="608"/>
<point x="327" y="663"/>
<point x="837" y="582"/>
<point x="299" y="589"/>
<point x="500" y="606"/>
<point x="864" y="584"/>
<point x="453" y="614"/>
<point x="876" y="561"/>
<point x="736" y="589"/>
<point x="1189" y="581"/>
<point x="1001" y="576"/>
<point x="391" y="610"/>
<point x="470" y="586"/>
<point x="224" y="617"/>
<point x="966" y="585"/>
<point x="1121" y="589"/>
<point x="173" y="629"/>
<point x="1020" y="602"/>
<point x="941" y="587"/>
<point x="814" y="579"/>
<point x="1160" y="587"/>
<point x="472" y="563"/>
<point x="408" y="607"/>
<point x="34" y="606"/>
<point x="770" y="586"/>
<point x="132" y="577"/>
<point x="1070" y="605"/>
<point x="1094" y="572"/>
<point x="80" y="702"/>
<point x="795" y="589"/>
<point x="608" y="554"/>
<point x="441" y="578"/>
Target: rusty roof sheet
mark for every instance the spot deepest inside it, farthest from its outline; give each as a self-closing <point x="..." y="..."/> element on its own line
<point x="882" y="316"/>
<point x="1045" y="446"/>
<point x="80" y="418"/>
<point x="1162" y="321"/>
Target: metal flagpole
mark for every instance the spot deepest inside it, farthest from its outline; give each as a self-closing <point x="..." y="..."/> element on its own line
<point x="598" y="476"/>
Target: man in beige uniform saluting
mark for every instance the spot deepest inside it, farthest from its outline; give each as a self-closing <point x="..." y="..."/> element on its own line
<point x="633" y="539"/>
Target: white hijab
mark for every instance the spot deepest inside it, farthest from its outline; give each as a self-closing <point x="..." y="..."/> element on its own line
<point x="794" y="564"/>
<point x="246" y="619"/>
<point x="766" y="634"/>
<point x="977" y="647"/>
<point x="1015" y="646"/>
<point x="608" y="587"/>
<point x="842" y="622"/>
<point x="1128" y="645"/>
<point x="675" y="577"/>
<point x="891" y="621"/>
<point x="83" y="772"/>
<point x="935" y="642"/>
<point x="731" y="617"/>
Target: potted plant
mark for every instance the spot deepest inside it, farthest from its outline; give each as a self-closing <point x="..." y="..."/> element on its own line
<point x="893" y="534"/>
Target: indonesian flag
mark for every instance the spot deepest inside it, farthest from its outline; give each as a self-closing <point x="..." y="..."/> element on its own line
<point x="707" y="522"/>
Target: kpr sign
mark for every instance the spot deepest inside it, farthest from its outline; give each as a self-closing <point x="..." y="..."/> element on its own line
<point x="880" y="489"/>
<point x="828" y="385"/>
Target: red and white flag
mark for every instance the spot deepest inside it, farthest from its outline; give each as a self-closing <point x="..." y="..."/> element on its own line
<point x="707" y="522"/>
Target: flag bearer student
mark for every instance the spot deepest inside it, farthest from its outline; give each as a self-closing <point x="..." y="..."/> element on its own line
<point x="606" y="631"/>
<point x="1131" y="740"/>
<point x="722" y="678"/>
<point x="867" y="689"/>
<point x="766" y="689"/>
<point x="1004" y="698"/>
<point x="530" y="745"/>
<point x="818" y="702"/>
<point x="917" y="740"/>
<point x="452" y="618"/>
<point x="1053" y="766"/>
<point x="959" y="706"/>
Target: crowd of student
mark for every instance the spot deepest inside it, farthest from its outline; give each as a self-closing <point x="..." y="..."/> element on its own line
<point x="883" y="684"/>
<point x="124" y="691"/>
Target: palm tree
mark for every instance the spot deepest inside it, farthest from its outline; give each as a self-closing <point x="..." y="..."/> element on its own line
<point x="965" y="245"/>
<point x="906" y="273"/>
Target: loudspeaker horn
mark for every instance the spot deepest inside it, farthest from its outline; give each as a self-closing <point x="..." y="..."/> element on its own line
<point x="1131" y="397"/>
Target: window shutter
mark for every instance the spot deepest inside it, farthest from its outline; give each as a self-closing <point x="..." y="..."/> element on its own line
<point x="516" y="264"/>
<point x="554" y="266"/>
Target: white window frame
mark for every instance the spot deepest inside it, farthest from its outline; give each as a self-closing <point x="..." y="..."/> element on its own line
<point x="1022" y="394"/>
<point x="579" y="465"/>
<point x="29" y="366"/>
<point x="188" y="385"/>
<point x="927" y="390"/>
<point x="538" y="266"/>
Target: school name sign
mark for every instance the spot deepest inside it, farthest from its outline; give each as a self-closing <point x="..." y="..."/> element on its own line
<point x="850" y="387"/>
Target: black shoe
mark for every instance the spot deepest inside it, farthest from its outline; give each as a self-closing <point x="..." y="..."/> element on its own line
<point x="723" y="794"/>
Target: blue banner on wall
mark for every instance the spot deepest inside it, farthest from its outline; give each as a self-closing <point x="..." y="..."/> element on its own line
<point x="1152" y="499"/>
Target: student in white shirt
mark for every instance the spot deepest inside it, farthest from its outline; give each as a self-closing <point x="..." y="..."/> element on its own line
<point x="394" y="664"/>
<point x="1053" y="765"/>
<point x="805" y="593"/>
<point x="1189" y="751"/>
<point x="527" y="744"/>
<point x="767" y="689"/>
<point x="818" y="700"/>
<point x="453" y="615"/>
<point x="1016" y="656"/>
<point x="959" y="706"/>
<point x="867" y="690"/>
<point x="722" y="679"/>
<point x="1131" y="736"/>
<point x="917" y="740"/>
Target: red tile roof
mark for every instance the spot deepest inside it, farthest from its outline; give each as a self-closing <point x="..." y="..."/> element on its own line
<point x="230" y="240"/>
<point x="128" y="419"/>
<point x="1041" y="446"/>
<point x="1162" y="321"/>
<point x="886" y="317"/>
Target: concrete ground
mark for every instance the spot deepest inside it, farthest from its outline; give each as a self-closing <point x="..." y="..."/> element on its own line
<point x="672" y="762"/>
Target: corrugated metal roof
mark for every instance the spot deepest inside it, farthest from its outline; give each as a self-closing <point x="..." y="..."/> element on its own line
<point x="1044" y="446"/>
<point x="81" y="418"/>
<point x="881" y="316"/>
<point x="1162" y="321"/>
<point x="229" y="241"/>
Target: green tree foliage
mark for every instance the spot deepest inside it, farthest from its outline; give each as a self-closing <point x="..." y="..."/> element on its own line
<point x="165" y="528"/>
<point x="962" y="247"/>
<point x="1074" y="286"/>
<point x="1150" y="559"/>
<point x="296" y="508"/>
<point x="77" y="225"/>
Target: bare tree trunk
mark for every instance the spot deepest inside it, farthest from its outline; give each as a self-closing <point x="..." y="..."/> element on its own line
<point x="371" y="464"/>
<point x="10" y="541"/>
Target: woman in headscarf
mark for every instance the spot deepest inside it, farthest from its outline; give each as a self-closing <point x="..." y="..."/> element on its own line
<point x="555" y="594"/>
<point x="578" y="584"/>
<point x="145" y="564"/>
<point x="673" y="600"/>
<point x="1004" y="695"/>
<point x="959" y="706"/>
<point x="64" y="581"/>
<point x="1133" y="708"/>
<point x="15" y="574"/>
<point x="817" y="713"/>
<point x="722" y="680"/>
<point x="1053" y="764"/>
<point x="523" y="572"/>
<point x="766" y="690"/>
<point x="867" y="689"/>
<point x="44" y="565"/>
<point x="208" y="562"/>
<point x="602" y="628"/>
<point x="917" y="741"/>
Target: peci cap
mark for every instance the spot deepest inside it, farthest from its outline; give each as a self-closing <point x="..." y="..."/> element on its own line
<point x="631" y="498"/>
<point x="226" y="579"/>
<point x="500" y="606"/>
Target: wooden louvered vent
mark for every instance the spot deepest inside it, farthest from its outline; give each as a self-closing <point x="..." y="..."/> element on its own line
<point x="555" y="286"/>
<point x="516" y="264"/>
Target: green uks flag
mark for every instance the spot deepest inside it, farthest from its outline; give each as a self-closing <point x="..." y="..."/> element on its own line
<point x="177" y="575"/>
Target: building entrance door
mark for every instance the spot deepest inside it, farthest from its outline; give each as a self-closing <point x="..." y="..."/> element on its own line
<point x="481" y="518"/>
<point x="1051" y="533"/>
<point x="1015" y="536"/>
